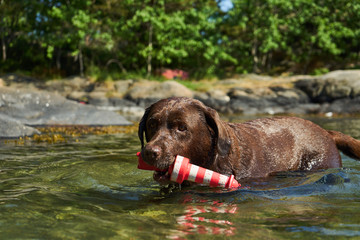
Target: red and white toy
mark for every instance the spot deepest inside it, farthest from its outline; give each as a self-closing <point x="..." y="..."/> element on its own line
<point x="182" y="170"/>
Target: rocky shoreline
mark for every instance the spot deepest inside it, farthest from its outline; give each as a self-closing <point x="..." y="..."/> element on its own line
<point x="27" y="102"/>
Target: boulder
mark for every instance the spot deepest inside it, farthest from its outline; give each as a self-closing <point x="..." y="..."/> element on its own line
<point x="68" y="85"/>
<point x="98" y="98"/>
<point x="20" y="81"/>
<point x="122" y="86"/>
<point x="11" y="128"/>
<point x="145" y="93"/>
<point x="271" y="100"/>
<point x="345" y="105"/>
<point x="78" y="96"/>
<point x="44" y="108"/>
<point x="331" y="86"/>
<point x="214" y="98"/>
<point x="289" y="96"/>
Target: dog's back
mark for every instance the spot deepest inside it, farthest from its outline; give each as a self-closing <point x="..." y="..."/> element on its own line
<point x="281" y="144"/>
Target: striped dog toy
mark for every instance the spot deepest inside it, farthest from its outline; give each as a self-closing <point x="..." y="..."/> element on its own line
<point x="183" y="170"/>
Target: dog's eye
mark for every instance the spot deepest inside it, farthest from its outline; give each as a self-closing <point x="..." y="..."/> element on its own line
<point x="152" y="125"/>
<point x="182" y="128"/>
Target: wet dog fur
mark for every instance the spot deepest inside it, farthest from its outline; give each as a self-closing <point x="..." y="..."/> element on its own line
<point x="253" y="149"/>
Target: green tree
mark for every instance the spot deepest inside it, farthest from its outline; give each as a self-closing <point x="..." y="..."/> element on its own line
<point x="285" y="32"/>
<point x="13" y="24"/>
<point x="263" y="36"/>
<point x="66" y="25"/>
<point x="177" y="33"/>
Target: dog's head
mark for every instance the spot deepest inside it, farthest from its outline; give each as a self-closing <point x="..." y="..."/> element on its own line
<point x="181" y="126"/>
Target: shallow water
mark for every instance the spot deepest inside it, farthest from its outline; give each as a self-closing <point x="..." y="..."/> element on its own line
<point x="91" y="189"/>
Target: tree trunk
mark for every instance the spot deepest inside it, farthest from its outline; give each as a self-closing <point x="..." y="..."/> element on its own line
<point x="150" y="45"/>
<point x="81" y="62"/>
<point x="58" y="59"/>
<point x="2" y="32"/>
<point x="3" y="48"/>
<point x="254" y="53"/>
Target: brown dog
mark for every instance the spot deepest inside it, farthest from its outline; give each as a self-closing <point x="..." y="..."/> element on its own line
<point x="254" y="149"/>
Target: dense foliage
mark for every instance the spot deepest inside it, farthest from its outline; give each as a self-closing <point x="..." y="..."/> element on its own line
<point x="63" y="37"/>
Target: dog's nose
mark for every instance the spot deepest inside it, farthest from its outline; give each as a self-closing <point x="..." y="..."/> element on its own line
<point x="152" y="152"/>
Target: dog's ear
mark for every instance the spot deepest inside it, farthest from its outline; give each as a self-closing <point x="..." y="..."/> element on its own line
<point x="142" y="124"/>
<point x="142" y="127"/>
<point x="223" y="140"/>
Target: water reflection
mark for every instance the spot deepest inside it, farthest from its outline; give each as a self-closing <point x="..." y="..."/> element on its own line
<point x="288" y="203"/>
<point x="204" y="217"/>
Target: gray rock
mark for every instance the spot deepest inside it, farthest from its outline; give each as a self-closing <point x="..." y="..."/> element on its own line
<point x="13" y="78"/>
<point x="44" y="108"/>
<point x="336" y="92"/>
<point x="288" y="96"/>
<point x="98" y="99"/>
<point x="256" y="77"/>
<point x="120" y="102"/>
<point x="123" y="86"/>
<point x="348" y="75"/>
<point x="144" y="93"/>
<point x="274" y="100"/>
<point x="332" y="86"/>
<point x="11" y="128"/>
<point x="20" y="81"/>
<point x="156" y="90"/>
<point x="228" y="82"/>
<point x="78" y="96"/>
<point x="218" y="95"/>
<point x="313" y="88"/>
<point x="216" y="99"/>
<point x="307" y="108"/>
<point x="346" y="105"/>
<point x="68" y="85"/>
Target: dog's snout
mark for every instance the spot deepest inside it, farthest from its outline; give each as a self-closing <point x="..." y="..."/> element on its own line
<point x="152" y="153"/>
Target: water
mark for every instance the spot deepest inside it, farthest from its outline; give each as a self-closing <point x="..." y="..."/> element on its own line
<point x="90" y="188"/>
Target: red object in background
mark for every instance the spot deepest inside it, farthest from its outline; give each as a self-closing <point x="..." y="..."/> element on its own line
<point x="183" y="170"/>
<point x="175" y="74"/>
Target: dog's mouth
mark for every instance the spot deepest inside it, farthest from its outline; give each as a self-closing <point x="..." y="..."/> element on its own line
<point x="161" y="171"/>
<point x="162" y="177"/>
